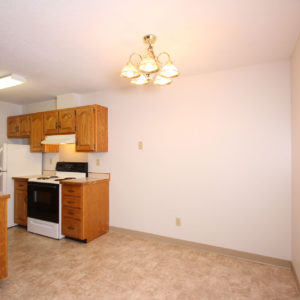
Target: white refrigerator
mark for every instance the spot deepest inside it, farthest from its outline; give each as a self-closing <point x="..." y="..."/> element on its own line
<point x="16" y="160"/>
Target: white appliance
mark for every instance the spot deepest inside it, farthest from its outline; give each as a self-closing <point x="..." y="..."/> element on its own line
<point x="44" y="199"/>
<point x="16" y="160"/>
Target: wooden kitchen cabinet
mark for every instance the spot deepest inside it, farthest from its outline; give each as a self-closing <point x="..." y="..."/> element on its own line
<point x="89" y="123"/>
<point x="59" y="121"/>
<point x="66" y="118"/>
<point x="13" y="124"/>
<point x="37" y="135"/>
<point x="25" y="125"/>
<point x="18" y="126"/>
<point x="85" y="209"/>
<point x="51" y="122"/>
<point x="92" y="128"/>
<point x="20" y="201"/>
<point x="3" y="235"/>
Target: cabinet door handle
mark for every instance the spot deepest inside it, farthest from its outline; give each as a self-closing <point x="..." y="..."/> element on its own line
<point x="70" y="213"/>
<point x="21" y="184"/>
<point x="71" y="202"/>
<point x="71" y="227"/>
<point x="71" y="191"/>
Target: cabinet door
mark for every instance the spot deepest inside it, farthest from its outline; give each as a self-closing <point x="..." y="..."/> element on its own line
<point x="13" y="127"/>
<point x="85" y="129"/>
<point x="51" y="122"/>
<point x="24" y="125"/>
<point x="66" y="121"/>
<point x="36" y="134"/>
<point x="20" y="200"/>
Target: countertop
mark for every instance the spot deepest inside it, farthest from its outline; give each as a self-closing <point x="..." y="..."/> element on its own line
<point x="26" y="177"/>
<point x="88" y="180"/>
<point x="4" y="196"/>
<point x="93" y="177"/>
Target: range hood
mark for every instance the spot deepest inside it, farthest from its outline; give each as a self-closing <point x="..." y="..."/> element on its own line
<point x="59" y="139"/>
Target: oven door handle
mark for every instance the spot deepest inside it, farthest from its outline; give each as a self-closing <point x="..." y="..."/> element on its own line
<point x="35" y="196"/>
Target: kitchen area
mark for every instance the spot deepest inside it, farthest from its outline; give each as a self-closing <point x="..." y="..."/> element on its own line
<point x="45" y="186"/>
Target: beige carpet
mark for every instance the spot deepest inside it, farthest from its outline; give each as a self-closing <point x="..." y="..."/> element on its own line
<point x="117" y="266"/>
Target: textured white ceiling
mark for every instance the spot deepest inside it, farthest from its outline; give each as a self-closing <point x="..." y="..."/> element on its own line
<point x="80" y="46"/>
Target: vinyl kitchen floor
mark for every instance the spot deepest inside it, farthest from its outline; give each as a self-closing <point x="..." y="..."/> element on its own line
<point x="117" y="266"/>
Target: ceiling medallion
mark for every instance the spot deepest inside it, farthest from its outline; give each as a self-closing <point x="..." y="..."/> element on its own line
<point x="150" y="68"/>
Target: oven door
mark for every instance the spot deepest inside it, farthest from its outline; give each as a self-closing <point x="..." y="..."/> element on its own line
<point x="43" y="201"/>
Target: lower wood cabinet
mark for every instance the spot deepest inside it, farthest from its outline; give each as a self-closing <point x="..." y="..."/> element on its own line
<point x="85" y="209"/>
<point x="20" y="201"/>
<point x="3" y="236"/>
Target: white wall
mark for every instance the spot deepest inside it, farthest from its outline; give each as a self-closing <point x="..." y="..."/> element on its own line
<point x="295" y="79"/>
<point x="39" y="106"/>
<point x="8" y="109"/>
<point x="216" y="154"/>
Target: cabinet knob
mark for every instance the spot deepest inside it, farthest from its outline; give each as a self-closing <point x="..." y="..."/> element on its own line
<point x="71" y="227"/>
<point x="71" y="191"/>
<point x="71" y="202"/>
<point x="70" y="213"/>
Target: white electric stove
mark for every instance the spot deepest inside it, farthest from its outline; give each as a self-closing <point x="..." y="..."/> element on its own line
<point x="44" y="198"/>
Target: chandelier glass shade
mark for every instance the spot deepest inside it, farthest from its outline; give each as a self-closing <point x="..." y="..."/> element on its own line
<point x="150" y="68"/>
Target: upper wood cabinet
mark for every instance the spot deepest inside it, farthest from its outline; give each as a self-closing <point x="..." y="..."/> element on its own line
<point x="51" y="122"/>
<point x="25" y="125"/>
<point x="37" y="134"/>
<point x="67" y="120"/>
<point x="91" y="128"/>
<point x="13" y="124"/>
<point x="59" y="121"/>
<point x="85" y="124"/>
<point x="90" y="123"/>
<point x="18" y="126"/>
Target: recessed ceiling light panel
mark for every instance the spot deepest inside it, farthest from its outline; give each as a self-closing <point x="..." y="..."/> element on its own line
<point x="11" y="80"/>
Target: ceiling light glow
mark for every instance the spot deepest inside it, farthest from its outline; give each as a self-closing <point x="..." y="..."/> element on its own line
<point x="11" y="80"/>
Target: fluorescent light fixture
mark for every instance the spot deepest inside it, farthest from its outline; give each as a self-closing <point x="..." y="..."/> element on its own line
<point x="11" y="80"/>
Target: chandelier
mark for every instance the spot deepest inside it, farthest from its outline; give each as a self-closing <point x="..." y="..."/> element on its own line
<point x="150" y="68"/>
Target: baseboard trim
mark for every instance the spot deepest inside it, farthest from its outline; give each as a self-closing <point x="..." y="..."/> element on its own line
<point x="224" y="251"/>
<point x="295" y="276"/>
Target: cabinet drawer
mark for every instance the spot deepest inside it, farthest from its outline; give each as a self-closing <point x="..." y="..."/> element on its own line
<point x="21" y="185"/>
<point x="71" y="190"/>
<point x="71" y="228"/>
<point x="71" y="212"/>
<point x="71" y="201"/>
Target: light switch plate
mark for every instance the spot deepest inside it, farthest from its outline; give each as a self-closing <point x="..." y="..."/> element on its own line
<point x="98" y="162"/>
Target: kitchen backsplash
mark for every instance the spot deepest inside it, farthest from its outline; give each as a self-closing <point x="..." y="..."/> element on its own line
<point x="66" y="153"/>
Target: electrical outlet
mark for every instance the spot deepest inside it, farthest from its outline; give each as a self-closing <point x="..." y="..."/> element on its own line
<point x="178" y="221"/>
<point x="140" y="145"/>
<point x="98" y="162"/>
<point x="50" y="160"/>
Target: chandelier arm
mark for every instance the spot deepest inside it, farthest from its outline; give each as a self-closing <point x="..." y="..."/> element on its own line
<point x="132" y="54"/>
<point x="164" y="53"/>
